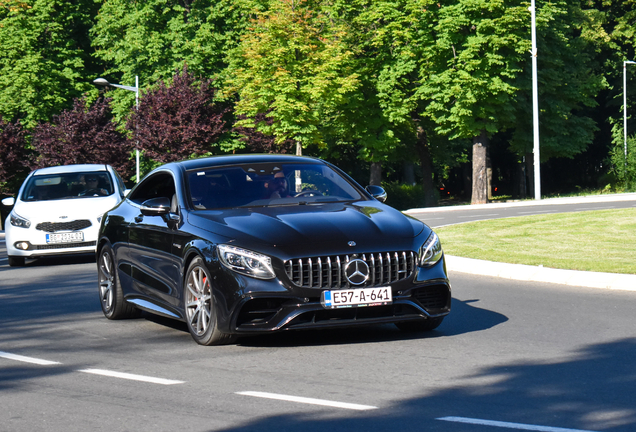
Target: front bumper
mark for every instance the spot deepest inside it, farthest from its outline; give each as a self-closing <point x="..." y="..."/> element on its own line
<point x="259" y="314"/>
<point x="34" y="243"/>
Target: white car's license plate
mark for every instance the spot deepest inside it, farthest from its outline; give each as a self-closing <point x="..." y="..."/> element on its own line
<point x="356" y="297"/>
<point x="65" y="237"/>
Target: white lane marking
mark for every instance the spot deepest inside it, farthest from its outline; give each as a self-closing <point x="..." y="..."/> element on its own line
<point x="508" y="425"/>
<point x="537" y="212"/>
<point x="27" y="359"/>
<point x="475" y="216"/>
<point x="131" y="376"/>
<point x="310" y="401"/>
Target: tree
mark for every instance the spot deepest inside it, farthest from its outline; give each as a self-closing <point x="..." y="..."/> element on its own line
<point x="569" y="83"/>
<point x="480" y="47"/>
<point x="15" y="158"/>
<point x="45" y="59"/>
<point x="294" y="67"/>
<point x="177" y="122"/>
<point x="83" y="135"/>
<point x="398" y="48"/>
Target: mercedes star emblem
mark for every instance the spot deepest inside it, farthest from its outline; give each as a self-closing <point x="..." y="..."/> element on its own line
<point x="356" y="272"/>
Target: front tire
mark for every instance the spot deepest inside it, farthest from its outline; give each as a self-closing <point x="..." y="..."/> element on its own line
<point x="200" y="307"/>
<point x="420" y="326"/>
<point x="111" y="296"/>
<point x="16" y="261"/>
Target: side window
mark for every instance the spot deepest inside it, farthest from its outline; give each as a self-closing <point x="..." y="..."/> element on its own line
<point x="159" y="185"/>
<point x="120" y="183"/>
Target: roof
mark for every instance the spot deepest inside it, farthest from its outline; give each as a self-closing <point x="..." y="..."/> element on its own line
<point x="62" y="169"/>
<point x="194" y="164"/>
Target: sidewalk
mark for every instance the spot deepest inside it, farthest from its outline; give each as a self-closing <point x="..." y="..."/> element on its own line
<point x="535" y="273"/>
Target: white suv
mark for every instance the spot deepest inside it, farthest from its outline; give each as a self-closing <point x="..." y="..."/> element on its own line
<point x="58" y="210"/>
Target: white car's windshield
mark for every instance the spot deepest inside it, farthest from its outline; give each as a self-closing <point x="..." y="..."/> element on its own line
<point x="268" y="184"/>
<point x="68" y="185"/>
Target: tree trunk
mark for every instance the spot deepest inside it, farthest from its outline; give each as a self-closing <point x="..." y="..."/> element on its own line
<point x="480" y="177"/>
<point x="426" y="166"/>
<point x="375" y="177"/>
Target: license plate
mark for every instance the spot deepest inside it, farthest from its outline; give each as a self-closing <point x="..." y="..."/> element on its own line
<point x="65" y="237"/>
<point x="356" y="297"/>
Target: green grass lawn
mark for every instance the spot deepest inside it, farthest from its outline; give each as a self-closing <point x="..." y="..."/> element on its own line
<point x="601" y="240"/>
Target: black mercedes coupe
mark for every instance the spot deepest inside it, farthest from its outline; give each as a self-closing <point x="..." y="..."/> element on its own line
<point x="250" y="244"/>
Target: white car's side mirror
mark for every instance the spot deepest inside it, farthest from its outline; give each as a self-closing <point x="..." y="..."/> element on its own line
<point x="8" y="201"/>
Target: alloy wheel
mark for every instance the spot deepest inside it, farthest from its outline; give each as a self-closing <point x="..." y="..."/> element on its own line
<point x="106" y="280"/>
<point x="198" y="300"/>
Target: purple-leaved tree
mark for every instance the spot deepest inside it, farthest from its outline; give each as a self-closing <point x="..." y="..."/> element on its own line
<point x="178" y="122"/>
<point x="83" y="135"/>
<point x="15" y="158"/>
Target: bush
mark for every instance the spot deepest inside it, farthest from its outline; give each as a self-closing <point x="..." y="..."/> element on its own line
<point x="403" y="196"/>
<point x="625" y="173"/>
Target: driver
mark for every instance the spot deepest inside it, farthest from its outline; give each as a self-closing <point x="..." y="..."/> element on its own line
<point x="277" y="187"/>
<point x="92" y="187"/>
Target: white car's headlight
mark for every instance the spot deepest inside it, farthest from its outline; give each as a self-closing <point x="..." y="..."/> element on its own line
<point x="431" y="251"/>
<point x="246" y="262"/>
<point x="18" y="221"/>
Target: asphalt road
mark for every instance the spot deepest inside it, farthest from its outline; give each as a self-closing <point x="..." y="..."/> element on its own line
<point x="440" y="216"/>
<point x="511" y="356"/>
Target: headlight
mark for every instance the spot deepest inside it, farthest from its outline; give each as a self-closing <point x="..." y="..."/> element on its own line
<point x="19" y="221"/>
<point x="431" y="251"/>
<point x="246" y="262"/>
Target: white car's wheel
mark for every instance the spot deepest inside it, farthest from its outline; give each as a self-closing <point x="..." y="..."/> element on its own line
<point x="16" y="261"/>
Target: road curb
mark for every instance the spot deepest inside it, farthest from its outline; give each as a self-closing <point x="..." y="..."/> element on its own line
<point x="614" y="281"/>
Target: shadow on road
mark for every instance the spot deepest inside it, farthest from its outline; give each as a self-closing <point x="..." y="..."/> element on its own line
<point x="464" y="318"/>
<point x="594" y="390"/>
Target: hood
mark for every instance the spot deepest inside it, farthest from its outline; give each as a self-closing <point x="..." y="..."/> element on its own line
<point x="332" y="225"/>
<point x="66" y="209"/>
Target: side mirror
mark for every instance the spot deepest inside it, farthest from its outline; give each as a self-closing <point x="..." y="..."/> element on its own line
<point x="9" y="202"/>
<point x="126" y="192"/>
<point x="155" y="207"/>
<point x="377" y="192"/>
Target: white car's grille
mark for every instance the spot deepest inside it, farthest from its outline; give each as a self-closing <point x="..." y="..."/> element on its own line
<point x="63" y="226"/>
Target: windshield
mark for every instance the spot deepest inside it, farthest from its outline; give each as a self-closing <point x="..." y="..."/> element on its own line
<point x="68" y="185"/>
<point x="268" y="184"/>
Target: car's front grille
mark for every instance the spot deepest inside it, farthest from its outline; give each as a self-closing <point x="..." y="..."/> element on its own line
<point x="328" y="271"/>
<point x="63" y="226"/>
<point x="66" y="245"/>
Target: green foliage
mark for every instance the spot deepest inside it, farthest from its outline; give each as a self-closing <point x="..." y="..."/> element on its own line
<point x="404" y="197"/>
<point x="569" y="82"/>
<point x="479" y="51"/>
<point x="293" y="66"/>
<point x="45" y="60"/>
<point x="623" y="167"/>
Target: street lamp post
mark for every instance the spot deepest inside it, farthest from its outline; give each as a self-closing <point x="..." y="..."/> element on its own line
<point x="625" y="63"/>
<point x="104" y="82"/>
<point x="535" y="106"/>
